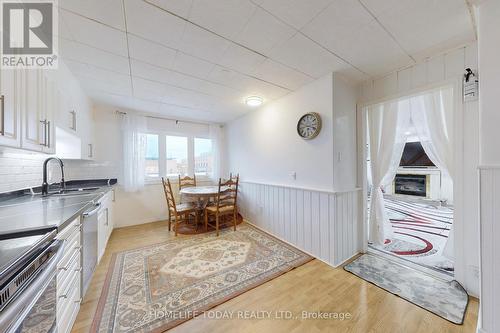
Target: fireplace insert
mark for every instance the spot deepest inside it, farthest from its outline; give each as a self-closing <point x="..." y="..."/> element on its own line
<point x="411" y="185"/>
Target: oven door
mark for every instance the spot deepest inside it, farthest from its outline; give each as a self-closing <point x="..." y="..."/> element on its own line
<point x="34" y="309"/>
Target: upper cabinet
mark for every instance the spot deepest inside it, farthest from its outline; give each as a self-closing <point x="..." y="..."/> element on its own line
<point x="45" y="111"/>
<point x="39" y="106"/>
<point x="10" y="95"/>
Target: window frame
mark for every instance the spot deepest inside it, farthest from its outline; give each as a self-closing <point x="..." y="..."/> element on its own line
<point x="162" y="156"/>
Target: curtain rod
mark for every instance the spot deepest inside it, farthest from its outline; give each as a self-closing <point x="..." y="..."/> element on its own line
<point x="177" y="121"/>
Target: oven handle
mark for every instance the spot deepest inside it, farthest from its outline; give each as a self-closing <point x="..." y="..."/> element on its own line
<point x="10" y="319"/>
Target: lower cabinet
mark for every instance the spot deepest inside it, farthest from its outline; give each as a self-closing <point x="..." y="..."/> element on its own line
<point x="69" y="269"/>
<point x="69" y="277"/>
<point x="104" y="223"/>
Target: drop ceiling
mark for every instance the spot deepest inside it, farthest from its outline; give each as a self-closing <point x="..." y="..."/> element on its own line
<point x="200" y="59"/>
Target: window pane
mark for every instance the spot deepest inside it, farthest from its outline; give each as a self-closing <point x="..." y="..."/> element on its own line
<point x="202" y="156"/>
<point x="177" y="155"/>
<point x="152" y="165"/>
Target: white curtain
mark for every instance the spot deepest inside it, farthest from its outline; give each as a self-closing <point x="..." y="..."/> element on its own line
<point x="134" y="152"/>
<point x="387" y="125"/>
<point x="217" y="137"/>
<point x="432" y="116"/>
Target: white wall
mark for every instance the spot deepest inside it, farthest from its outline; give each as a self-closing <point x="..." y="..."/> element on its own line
<point x="318" y="211"/>
<point x="263" y="146"/>
<point x="439" y="69"/>
<point x="488" y="14"/>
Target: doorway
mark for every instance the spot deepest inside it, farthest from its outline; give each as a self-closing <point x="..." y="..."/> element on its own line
<point x="416" y="191"/>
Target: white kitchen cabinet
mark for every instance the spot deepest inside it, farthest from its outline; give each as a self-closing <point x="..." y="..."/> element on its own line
<point x="38" y="108"/>
<point x="104" y="223"/>
<point x="10" y="116"/>
<point x="69" y="277"/>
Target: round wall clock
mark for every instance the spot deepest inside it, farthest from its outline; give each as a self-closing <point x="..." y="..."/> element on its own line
<point x="309" y="125"/>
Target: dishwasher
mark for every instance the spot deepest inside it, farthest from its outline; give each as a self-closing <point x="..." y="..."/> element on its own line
<point x="89" y="244"/>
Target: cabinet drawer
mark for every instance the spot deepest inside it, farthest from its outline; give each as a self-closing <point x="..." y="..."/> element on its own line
<point x="65" y="277"/>
<point x="67" y="307"/>
<point x="69" y="231"/>
<point x="72" y="247"/>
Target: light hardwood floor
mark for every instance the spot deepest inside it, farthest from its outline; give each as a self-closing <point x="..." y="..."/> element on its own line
<point x="312" y="287"/>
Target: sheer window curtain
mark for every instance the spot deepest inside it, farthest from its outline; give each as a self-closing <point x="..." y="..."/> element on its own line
<point x="134" y="151"/>
<point x="216" y="133"/>
<point x="387" y="125"/>
<point x="432" y="117"/>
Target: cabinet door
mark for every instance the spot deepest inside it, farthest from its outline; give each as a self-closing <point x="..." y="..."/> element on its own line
<point x="101" y="231"/>
<point x="10" y="91"/>
<point x="50" y="110"/>
<point x="33" y="128"/>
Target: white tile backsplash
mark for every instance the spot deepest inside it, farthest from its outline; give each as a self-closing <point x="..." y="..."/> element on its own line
<point x="21" y="169"/>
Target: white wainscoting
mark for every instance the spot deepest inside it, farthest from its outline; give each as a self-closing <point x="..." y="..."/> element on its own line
<point x="490" y="249"/>
<point x="323" y="224"/>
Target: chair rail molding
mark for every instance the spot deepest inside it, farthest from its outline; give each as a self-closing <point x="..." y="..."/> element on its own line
<point x="325" y="224"/>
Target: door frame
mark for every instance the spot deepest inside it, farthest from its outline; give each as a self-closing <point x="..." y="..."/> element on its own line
<point x="458" y="181"/>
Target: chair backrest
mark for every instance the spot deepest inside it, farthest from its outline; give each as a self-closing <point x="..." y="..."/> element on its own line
<point x="227" y="194"/>
<point x="234" y="177"/>
<point x="186" y="181"/>
<point x="169" y="194"/>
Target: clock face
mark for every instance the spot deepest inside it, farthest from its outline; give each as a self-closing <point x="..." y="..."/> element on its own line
<point x="309" y="125"/>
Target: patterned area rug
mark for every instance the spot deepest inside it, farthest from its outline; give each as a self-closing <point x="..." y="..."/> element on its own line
<point x="155" y="288"/>
<point x="420" y="232"/>
<point x="446" y="299"/>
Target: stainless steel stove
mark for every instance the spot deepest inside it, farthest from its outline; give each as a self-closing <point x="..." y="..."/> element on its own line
<point x="28" y="270"/>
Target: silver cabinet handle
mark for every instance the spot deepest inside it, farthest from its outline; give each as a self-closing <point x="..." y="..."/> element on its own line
<point x="73" y="120"/>
<point x="2" y="105"/>
<point x="93" y="211"/>
<point x="78" y="300"/>
<point x="91" y="150"/>
<point x="48" y="134"/>
<point x="44" y="122"/>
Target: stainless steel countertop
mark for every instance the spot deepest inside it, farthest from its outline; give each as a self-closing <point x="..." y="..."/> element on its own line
<point x="32" y="213"/>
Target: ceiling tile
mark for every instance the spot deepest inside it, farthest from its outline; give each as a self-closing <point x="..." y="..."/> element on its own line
<point x="348" y="30"/>
<point x="295" y="12"/>
<point x="447" y="23"/>
<point x="89" y="55"/>
<point x="178" y="7"/>
<point x="163" y="75"/>
<point x="241" y="59"/>
<point x="89" y="84"/>
<point x="281" y="75"/>
<point x="148" y="90"/>
<point x="149" y="22"/>
<point x="202" y="44"/>
<point x="109" y="12"/>
<point x="191" y="65"/>
<point x="303" y="54"/>
<point x="247" y="85"/>
<point x="224" y="17"/>
<point x="263" y="31"/>
<point x="95" y="34"/>
<point x="150" y="52"/>
<point x="96" y="73"/>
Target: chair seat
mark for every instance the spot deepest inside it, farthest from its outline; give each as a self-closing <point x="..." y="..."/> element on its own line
<point x="184" y="207"/>
<point x="222" y="210"/>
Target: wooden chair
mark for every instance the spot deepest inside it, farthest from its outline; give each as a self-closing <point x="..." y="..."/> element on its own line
<point x="180" y="212"/>
<point x="225" y="203"/>
<point x="186" y="181"/>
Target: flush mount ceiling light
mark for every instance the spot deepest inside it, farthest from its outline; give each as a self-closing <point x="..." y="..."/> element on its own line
<point x="253" y="101"/>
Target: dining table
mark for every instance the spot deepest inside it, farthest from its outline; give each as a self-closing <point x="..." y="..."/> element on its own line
<point x="200" y="195"/>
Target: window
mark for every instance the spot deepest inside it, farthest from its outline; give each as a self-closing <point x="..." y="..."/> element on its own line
<point x="202" y="156"/>
<point x="152" y="157"/>
<point x="177" y="155"/>
<point x="173" y="155"/>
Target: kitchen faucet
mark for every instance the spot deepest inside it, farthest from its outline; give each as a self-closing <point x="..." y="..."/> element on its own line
<point x="45" y="185"/>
